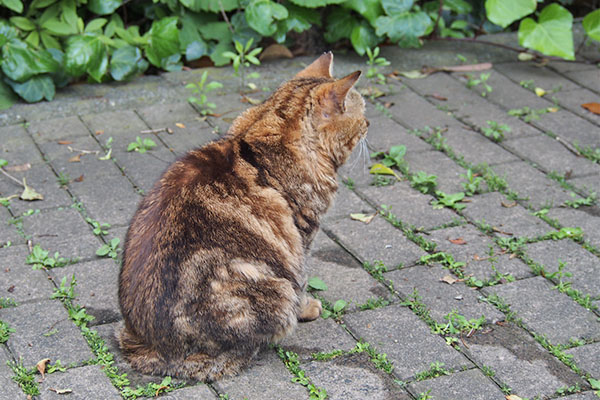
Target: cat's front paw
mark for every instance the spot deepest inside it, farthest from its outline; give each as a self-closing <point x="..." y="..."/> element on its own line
<point x="311" y="311"/>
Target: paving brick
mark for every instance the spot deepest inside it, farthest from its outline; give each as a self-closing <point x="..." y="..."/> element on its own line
<point x="144" y="169"/>
<point x="589" y="184"/>
<point x="18" y="281"/>
<point x="542" y="77"/>
<point x="378" y="240"/>
<point x="581" y="396"/>
<point x="508" y="221"/>
<point x="476" y="149"/>
<point x="470" y="384"/>
<point x="440" y="297"/>
<point x="589" y="78"/>
<point x="267" y="378"/>
<point x="8" y="232"/>
<point x="586" y="358"/>
<point x="565" y="125"/>
<point x="122" y="126"/>
<point x="43" y="330"/>
<point x="17" y="147"/>
<point x="573" y="99"/>
<point x="534" y="186"/>
<point x="406" y="340"/>
<point x="352" y="378"/>
<point x="409" y="205"/>
<point x="578" y="261"/>
<point x="475" y="252"/>
<point x="84" y="382"/>
<point x="435" y="163"/>
<point x="588" y="221"/>
<point x="551" y="155"/>
<point x="519" y="362"/>
<point x="62" y="230"/>
<point x="346" y="202"/>
<point x="568" y="67"/>
<point x="166" y="115"/>
<point x="548" y="312"/>
<point x="96" y="288"/>
<point x="10" y="389"/>
<point x="52" y="130"/>
<point x="321" y="335"/>
<point x="199" y="391"/>
<point x="195" y="134"/>
<point x="509" y="94"/>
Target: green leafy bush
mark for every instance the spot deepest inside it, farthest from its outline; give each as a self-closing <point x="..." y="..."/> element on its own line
<point x="45" y="44"/>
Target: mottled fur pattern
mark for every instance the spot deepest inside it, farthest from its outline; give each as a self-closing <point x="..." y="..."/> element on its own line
<point x="213" y="261"/>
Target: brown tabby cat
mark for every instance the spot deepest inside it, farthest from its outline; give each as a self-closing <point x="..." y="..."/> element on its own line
<point x="213" y="261"/>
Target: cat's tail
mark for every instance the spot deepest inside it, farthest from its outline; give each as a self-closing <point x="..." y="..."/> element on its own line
<point x="199" y="366"/>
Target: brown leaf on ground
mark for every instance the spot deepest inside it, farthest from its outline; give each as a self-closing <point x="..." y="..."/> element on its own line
<point x="11" y="289"/>
<point x="362" y="217"/>
<point x="467" y="68"/>
<point x="593" y="107"/>
<point x="459" y="241"/>
<point x="18" y="168"/>
<point x="180" y="125"/>
<point x="60" y="391"/>
<point x="509" y="205"/>
<point x="496" y="229"/>
<point x="513" y="397"/>
<point x="79" y="179"/>
<point x="437" y="96"/>
<point x="99" y="132"/>
<point x="76" y="158"/>
<point x="65" y="142"/>
<point x="275" y="51"/>
<point x="41" y="366"/>
<point x="449" y="279"/>
<point x="254" y="102"/>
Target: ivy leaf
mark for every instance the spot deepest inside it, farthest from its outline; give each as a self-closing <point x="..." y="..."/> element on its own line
<point x="213" y="6"/>
<point x="395" y="7"/>
<point x="591" y="24"/>
<point x="552" y="34"/>
<point x="7" y="97"/>
<point x="243" y="33"/>
<point x="35" y="88"/>
<point x="317" y="284"/>
<point x="163" y="40"/>
<point x="315" y="3"/>
<point x="103" y="7"/>
<point x="339" y="305"/>
<point x="404" y="29"/>
<point x="458" y="6"/>
<point x="20" y="63"/>
<point x="370" y="9"/>
<point x="363" y="37"/>
<point x="505" y="12"/>
<point x="15" y="5"/>
<point x="340" y="24"/>
<point x="262" y="16"/>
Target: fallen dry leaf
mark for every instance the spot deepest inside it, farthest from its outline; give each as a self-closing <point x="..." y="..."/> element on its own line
<point x="254" y="102"/>
<point x="76" y="158"/>
<point x="29" y="193"/>
<point x="65" y="142"/>
<point x="41" y="366"/>
<point x="553" y="109"/>
<point x="79" y="179"/>
<point x="11" y="289"/>
<point x="180" y="125"/>
<point x="388" y="104"/>
<point x="362" y="217"/>
<point x="18" y="168"/>
<point x="467" y="68"/>
<point x="513" y="397"/>
<point x="509" y="205"/>
<point x="61" y="391"/>
<point x="593" y="107"/>
<point x="437" y="96"/>
<point x="477" y="258"/>
<point x="99" y="132"/>
<point x="496" y="229"/>
<point x="275" y="51"/>
<point x="540" y="92"/>
<point x="371" y="91"/>
<point x="449" y="279"/>
<point x="458" y="241"/>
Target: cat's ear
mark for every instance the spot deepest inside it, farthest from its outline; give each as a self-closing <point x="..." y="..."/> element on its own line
<point x="320" y="68"/>
<point x="339" y="89"/>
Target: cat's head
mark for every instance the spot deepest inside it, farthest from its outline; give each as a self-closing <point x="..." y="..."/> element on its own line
<point x="334" y="117"/>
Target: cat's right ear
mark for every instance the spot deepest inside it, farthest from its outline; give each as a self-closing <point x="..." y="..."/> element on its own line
<point x="320" y="68"/>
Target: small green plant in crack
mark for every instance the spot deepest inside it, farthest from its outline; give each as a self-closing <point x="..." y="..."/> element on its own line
<point x="435" y="369"/>
<point x="100" y="229"/>
<point x="152" y="389"/>
<point x="372" y="304"/>
<point x="578" y="202"/>
<point x="108" y="146"/>
<point x="324" y="356"/>
<point x="110" y="249"/>
<point x="482" y="80"/>
<point x="316" y="284"/>
<point x="506" y="389"/>
<point x="5" y="331"/>
<point x="515" y="245"/>
<point x="292" y="363"/>
<point x="63" y="179"/>
<point x="376" y="269"/>
<point x="565" y="390"/>
<point x="381" y="180"/>
<point x="528" y="114"/>
<point x="564" y="233"/>
<point x="494" y="182"/>
<point x="6" y="302"/>
<point x="393" y="158"/>
<point x="242" y="59"/>
<point x="375" y="62"/>
<point x="349" y="183"/>
<point x="448" y="200"/>
<point x="141" y="145"/>
<point x="558" y="352"/>
<point x="202" y="89"/>
<point x="425" y="395"/>
<point x="335" y="311"/>
<point x="527" y="84"/>
<point x="40" y="259"/>
<point x="378" y="359"/>
<point x="65" y="292"/>
<point x="25" y="378"/>
<point x="488" y="371"/>
<point x="495" y="131"/>
<point x="446" y="260"/>
<point x="591" y="153"/>
<point x="424" y="182"/>
<point x="458" y="324"/>
<point x="473" y="183"/>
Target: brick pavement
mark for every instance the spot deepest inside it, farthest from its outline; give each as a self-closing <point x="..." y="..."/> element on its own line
<point x="473" y="302"/>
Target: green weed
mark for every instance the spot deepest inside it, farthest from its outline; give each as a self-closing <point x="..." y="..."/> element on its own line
<point x="424" y="182"/>
<point x="202" y="89"/>
<point x="473" y="183"/>
<point x="6" y="302"/>
<point x="375" y="62"/>
<point x="141" y="146"/>
<point x="5" y="331"/>
<point x="435" y="369"/>
<point x="243" y="58"/>
<point x="99" y="229"/>
<point x="482" y="80"/>
<point x="291" y="361"/>
<point x="495" y="131"/>
<point x="25" y="378"/>
<point x="448" y="200"/>
<point x="110" y="249"/>
<point x="40" y="259"/>
<point x="372" y="304"/>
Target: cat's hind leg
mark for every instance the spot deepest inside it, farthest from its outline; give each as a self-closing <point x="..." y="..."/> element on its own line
<point x="142" y="357"/>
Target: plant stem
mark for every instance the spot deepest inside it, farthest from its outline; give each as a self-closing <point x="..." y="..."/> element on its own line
<point x="225" y="16"/>
<point x="12" y="177"/>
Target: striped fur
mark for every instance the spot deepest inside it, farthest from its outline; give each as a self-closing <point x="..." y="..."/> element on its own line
<point x="213" y="261"/>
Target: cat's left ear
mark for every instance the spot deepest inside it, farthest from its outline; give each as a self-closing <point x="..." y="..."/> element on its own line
<point x="320" y="68"/>
<point x="339" y="89"/>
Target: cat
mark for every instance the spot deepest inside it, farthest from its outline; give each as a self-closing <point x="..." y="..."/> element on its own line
<point x="212" y="268"/>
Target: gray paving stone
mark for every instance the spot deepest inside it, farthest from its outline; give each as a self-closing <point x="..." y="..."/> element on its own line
<point x="195" y="134"/>
<point x="166" y="115"/>
<point x="352" y="378"/>
<point x="356" y="170"/>
<point x="475" y="252"/>
<point x="542" y="77"/>
<point x="568" y="67"/>
<point x="378" y="240"/>
<point x="406" y="340"/>
<point x="509" y="94"/>
<point x="17" y="147"/>
<point x="346" y="202"/>
<point x="589" y="78"/>
<point x="578" y="261"/>
<point x="43" y="330"/>
<point x="586" y="358"/>
<point x="573" y="99"/>
<point x="41" y="178"/>
<point x="84" y="382"/>
<point x="589" y="184"/>
<point x="8" y="232"/>
<point x="384" y="133"/>
<point x="52" y="130"/>
<point x="551" y="155"/>
<point x="475" y="148"/>
<point x="144" y="169"/>
<point x="18" y="281"/>
<point x="96" y="288"/>
<point x="199" y="391"/>
<point x="566" y="125"/>
<point x="581" y="396"/>
<point x="435" y="163"/>
<point x="589" y="222"/>
<point x="62" y="230"/>
<point x="440" y="297"/>
<point x="409" y="205"/>
<point x="321" y="335"/>
<point x="508" y="221"/>
<point x="470" y="384"/>
<point x="10" y="389"/>
<point x="267" y="377"/>
<point x="519" y="362"/>
<point x="532" y="184"/>
<point x="548" y="312"/>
